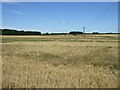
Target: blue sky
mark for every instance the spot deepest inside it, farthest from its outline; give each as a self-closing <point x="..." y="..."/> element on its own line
<point x="60" y="16"/>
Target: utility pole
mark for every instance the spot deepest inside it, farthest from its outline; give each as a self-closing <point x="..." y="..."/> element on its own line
<point x="84" y="31"/>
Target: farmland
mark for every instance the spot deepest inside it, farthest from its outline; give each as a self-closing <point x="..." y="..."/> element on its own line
<point x="60" y="61"/>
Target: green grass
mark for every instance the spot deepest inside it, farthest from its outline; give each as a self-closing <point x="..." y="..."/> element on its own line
<point x="66" y="38"/>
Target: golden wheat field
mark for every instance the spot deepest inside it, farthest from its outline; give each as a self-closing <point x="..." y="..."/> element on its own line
<point x="60" y="61"/>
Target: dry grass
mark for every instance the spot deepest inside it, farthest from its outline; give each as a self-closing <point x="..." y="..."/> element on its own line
<point x="60" y="63"/>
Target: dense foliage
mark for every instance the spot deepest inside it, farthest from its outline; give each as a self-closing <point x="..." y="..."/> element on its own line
<point x="15" y="32"/>
<point x="75" y="32"/>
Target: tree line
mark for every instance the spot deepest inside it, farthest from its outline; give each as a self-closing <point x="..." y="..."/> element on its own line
<point x="16" y="32"/>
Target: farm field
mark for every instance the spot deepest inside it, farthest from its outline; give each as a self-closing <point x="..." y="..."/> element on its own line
<point x="60" y="61"/>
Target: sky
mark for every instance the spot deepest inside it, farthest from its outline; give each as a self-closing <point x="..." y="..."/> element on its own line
<point x="60" y="0"/>
<point x="60" y="16"/>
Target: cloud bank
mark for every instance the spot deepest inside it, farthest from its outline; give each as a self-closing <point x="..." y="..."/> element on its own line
<point x="64" y="22"/>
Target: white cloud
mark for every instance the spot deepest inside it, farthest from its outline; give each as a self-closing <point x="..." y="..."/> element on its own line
<point x="17" y="12"/>
<point x="12" y="28"/>
<point x="64" y="22"/>
<point x="8" y="28"/>
<point x="14" y="3"/>
<point x="14" y="11"/>
<point x="20" y="29"/>
<point x="8" y="0"/>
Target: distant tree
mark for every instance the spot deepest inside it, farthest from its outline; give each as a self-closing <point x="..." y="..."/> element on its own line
<point x="15" y="32"/>
<point x="58" y="33"/>
<point x="75" y="32"/>
<point x="46" y="33"/>
<point x="95" y="33"/>
<point x="109" y="33"/>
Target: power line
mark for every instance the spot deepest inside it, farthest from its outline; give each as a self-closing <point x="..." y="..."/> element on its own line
<point x="109" y="9"/>
<point x="104" y="18"/>
<point x="105" y="13"/>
